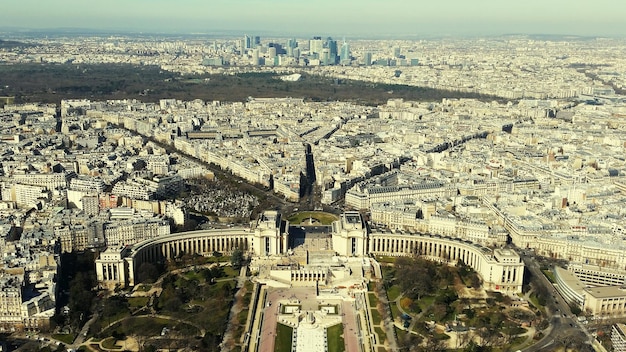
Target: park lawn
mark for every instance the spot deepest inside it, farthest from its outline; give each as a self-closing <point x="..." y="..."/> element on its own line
<point x="400" y="333"/>
<point x="152" y="326"/>
<point x="229" y="271"/>
<point x="373" y="299"/>
<point x="241" y="322"/>
<point x="426" y="302"/>
<point x="282" y="342"/>
<point x="144" y="287"/>
<point x="385" y="259"/>
<point x="395" y="311"/>
<point x="222" y="282"/>
<point x="247" y="297"/>
<point x="242" y="316"/>
<point x="335" y="339"/>
<point x="535" y="301"/>
<point x="441" y="336"/>
<point x="106" y="320"/>
<point x="65" y="338"/>
<point x="138" y="302"/>
<point x="376" y="318"/>
<point x="322" y="217"/>
<point x="393" y="292"/>
<point x="382" y="337"/>
<point x="550" y="275"/>
<point x="193" y="275"/>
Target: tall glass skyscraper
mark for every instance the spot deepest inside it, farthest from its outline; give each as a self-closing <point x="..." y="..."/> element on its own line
<point x="344" y="56"/>
<point x="332" y="50"/>
<point x="367" y="58"/>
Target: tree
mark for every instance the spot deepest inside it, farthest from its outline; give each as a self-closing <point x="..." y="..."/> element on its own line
<point x="81" y="297"/>
<point x="114" y="305"/>
<point x="434" y="345"/>
<point x="474" y="347"/>
<point x="509" y="331"/>
<point x="237" y="260"/>
<point x="411" y="342"/>
<point x="147" y="273"/>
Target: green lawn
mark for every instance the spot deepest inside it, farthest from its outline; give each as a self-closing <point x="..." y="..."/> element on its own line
<point x="111" y="319"/>
<point x="393" y="292"/>
<point x="441" y="336"/>
<point x="193" y="275"/>
<point x="150" y="326"/>
<point x="395" y="311"/>
<point x="144" y="287"/>
<point x="230" y="272"/>
<point x="376" y="318"/>
<point x="65" y="338"/>
<point x="322" y="217"/>
<point x="425" y="302"/>
<point x="373" y="299"/>
<point x="400" y="333"/>
<point x="335" y="338"/>
<point x="385" y="259"/>
<point x="550" y="275"/>
<point x="535" y="301"/>
<point x="137" y="302"/>
<point x="282" y="342"/>
<point x="382" y="337"/>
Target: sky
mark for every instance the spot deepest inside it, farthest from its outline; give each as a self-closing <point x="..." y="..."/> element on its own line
<point x="325" y="17"/>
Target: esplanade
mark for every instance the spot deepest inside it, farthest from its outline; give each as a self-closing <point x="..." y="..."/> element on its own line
<point x="500" y="269"/>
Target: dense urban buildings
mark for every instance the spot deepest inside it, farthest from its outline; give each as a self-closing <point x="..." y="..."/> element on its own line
<point x="536" y="163"/>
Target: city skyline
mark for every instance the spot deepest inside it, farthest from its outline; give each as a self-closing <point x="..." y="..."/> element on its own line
<point x="369" y="18"/>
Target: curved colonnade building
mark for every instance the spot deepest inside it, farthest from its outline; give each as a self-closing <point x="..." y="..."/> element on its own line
<point x="501" y="269"/>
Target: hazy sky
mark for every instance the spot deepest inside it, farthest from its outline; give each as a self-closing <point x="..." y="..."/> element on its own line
<point x="336" y="17"/>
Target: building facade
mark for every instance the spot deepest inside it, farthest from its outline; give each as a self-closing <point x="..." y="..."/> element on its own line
<point x="501" y="269"/>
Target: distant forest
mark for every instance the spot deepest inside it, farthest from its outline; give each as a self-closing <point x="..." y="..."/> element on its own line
<point x="50" y="83"/>
<point x="11" y="44"/>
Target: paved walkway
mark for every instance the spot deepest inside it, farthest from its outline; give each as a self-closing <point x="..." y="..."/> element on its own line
<point x="385" y="325"/>
<point x="129" y="344"/>
<point x="230" y="339"/>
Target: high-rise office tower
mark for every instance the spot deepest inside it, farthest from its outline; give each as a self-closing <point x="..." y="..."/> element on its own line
<point x="255" y="57"/>
<point x="367" y="58"/>
<point x="325" y="57"/>
<point x="291" y="44"/>
<point x="271" y="53"/>
<point x="247" y="41"/>
<point x="332" y="48"/>
<point x="396" y="51"/>
<point x="242" y="47"/>
<point x="257" y="40"/>
<point x="316" y="45"/>
<point x="279" y="48"/>
<point x="344" y="56"/>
